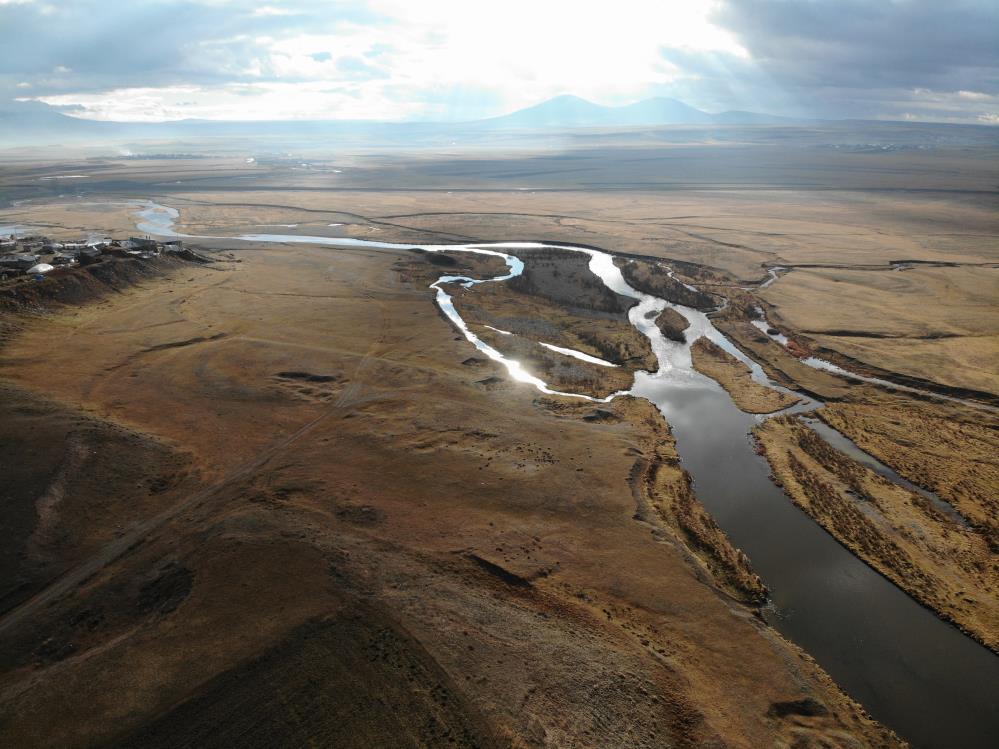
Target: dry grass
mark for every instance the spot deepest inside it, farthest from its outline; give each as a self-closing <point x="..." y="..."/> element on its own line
<point x="940" y="563"/>
<point x="665" y="496"/>
<point x="940" y="323"/>
<point x="559" y="301"/>
<point x="672" y="325"/>
<point x="937" y="324"/>
<point x="951" y="452"/>
<point x="750" y="396"/>
<point x="379" y="487"/>
<point x="611" y="631"/>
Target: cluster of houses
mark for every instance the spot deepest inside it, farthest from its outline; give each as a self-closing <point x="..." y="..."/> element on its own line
<point x="36" y="256"/>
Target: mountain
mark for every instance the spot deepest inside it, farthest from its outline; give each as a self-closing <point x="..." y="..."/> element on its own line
<point x="562" y="111"/>
<point x="660" y="111"/>
<point x="572" y="111"/>
<point x="34" y="119"/>
<point x="34" y="123"/>
<point x="739" y="117"/>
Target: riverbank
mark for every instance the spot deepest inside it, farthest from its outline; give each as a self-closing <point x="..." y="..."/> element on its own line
<point x="756" y="515"/>
<point x="949" y="450"/>
<point x="401" y="512"/>
<point x="750" y="396"/>
<point x="672" y="324"/>
<point x="557" y="301"/>
<point x="947" y="567"/>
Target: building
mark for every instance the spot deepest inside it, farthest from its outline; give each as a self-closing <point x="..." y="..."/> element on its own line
<point x="142" y="243"/>
<point x="87" y="255"/>
<point x="19" y="262"/>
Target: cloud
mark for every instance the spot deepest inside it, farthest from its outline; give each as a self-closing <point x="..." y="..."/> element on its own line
<point x="460" y="56"/>
<point x="267" y="101"/>
<point x="858" y="42"/>
<point x="269" y="10"/>
<point x="459" y="60"/>
<point x="719" y="80"/>
<point x="863" y="58"/>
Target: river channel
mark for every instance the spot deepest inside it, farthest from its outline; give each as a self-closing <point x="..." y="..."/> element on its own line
<point x="914" y="672"/>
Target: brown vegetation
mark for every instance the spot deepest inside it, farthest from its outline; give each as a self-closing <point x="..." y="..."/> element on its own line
<point x="951" y="451"/>
<point x="652" y="277"/>
<point x="441" y="534"/>
<point x="711" y="360"/>
<point x="939" y="324"/>
<point x="672" y="324"/>
<point x="781" y="365"/>
<point x="560" y="371"/>
<point x="947" y="567"/>
<point x="665" y="495"/>
<point x="375" y="542"/>
<point x="559" y="302"/>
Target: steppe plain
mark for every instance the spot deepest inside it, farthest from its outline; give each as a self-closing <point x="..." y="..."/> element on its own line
<point x="277" y="499"/>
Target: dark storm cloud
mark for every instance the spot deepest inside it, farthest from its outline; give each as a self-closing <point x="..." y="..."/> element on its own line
<point x="857" y="43"/>
<point x="858" y="57"/>
<point x="718" y="81"/>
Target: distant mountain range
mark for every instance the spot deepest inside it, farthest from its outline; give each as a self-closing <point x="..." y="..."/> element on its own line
<point x="572" y="111"/>
<point x="37" y="123"/>
<point x="33" y="124"/>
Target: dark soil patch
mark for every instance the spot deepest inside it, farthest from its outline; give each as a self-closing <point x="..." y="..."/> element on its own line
<point x="353" y="681"/>
<point x="439" y="258"/>
<point x="806" y="706"/>
<point x="360" y="514"/>
<point x="306" y="377"/>
<point x="490" y="382"/>
<point x="503" y="574"/>
<point x="165" y="592"/>
<point x="67" y="481"/>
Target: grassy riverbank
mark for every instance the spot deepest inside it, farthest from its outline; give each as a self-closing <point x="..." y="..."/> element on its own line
<point x="944" y="565"/>
<point x="750" y="396"/>
<point x="363" y="503"/>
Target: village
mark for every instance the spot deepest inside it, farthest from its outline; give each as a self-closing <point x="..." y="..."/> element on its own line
<point x="37" y="256"/>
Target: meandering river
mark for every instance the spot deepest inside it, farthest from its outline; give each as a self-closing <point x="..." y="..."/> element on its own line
<point x="910" y="670"/>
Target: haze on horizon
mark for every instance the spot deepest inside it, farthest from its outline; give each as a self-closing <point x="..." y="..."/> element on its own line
<point x="439" y="60"/>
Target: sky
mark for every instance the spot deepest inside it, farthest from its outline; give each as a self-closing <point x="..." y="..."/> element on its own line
<point x="160" y="60"/>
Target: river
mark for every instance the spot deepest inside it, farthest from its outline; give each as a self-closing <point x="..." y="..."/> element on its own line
<point x="914" y="672"/>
